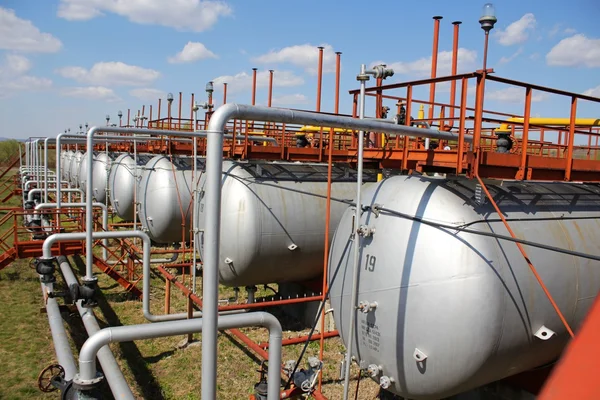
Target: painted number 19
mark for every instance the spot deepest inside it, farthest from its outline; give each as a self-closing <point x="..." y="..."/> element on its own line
<point x="370" y="263"/>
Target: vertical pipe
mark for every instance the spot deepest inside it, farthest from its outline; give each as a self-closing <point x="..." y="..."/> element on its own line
<point x="158" y="114"/>
<point x="571" y="139"/>
<point x="461" y="127"/>
<point x="179" y="113"/>
<point x="524" y="143"/>
<point x="270" y="99"/>
<point x="319" y="79"/>
<point x="210" y="277"/>
<point x="224" y="93"/>
<point x="46" y="173"/>
<point x="167" y="296"/>
<point x="254" y="86"/>
<point x="357" y="216"/>
<point x="454" y="71"/>
<point x="150" y="117"/>
<point x="194" y="127"/>
<point x="190" y="313"/>
<point x="407" y="123"/>
<point x="336" y="109"/>
<point x="434" y="56"/>
<point x="129" y="116"/>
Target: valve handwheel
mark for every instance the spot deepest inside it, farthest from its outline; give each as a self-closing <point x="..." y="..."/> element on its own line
<point x="45" y="377"/>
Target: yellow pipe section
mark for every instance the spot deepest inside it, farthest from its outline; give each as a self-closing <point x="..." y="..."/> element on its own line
<point x="504" y="127"/>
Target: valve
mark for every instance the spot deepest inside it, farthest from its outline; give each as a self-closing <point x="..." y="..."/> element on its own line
<point x="306" y="379"/>
<point x="45" y="267"/>
<point x="48" y="378"/>
<point x="380" y="71"/>
<point x="85" y="292"/>
<point x="373" y="370"/>
<point x="385" y="382"/>
<point x="365" y="231"/>
<point x="261" y="388"/>
<point x="366" y="307"/>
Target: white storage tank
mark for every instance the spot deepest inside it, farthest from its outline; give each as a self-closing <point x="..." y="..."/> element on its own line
<point x="74" y="168"/>
<point x="165" y="193"/>
<point x="273" y="219"/>
<point x="66" y="165"/>
<point x="100" y="167"/>
<point x="454" y="311"/>
<point x="122" y="183"/>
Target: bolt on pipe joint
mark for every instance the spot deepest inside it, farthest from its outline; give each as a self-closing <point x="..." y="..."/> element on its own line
<point x="87" y="389"/>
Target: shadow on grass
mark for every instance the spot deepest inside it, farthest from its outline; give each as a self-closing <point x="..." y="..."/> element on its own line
<point x="149" y="386"/>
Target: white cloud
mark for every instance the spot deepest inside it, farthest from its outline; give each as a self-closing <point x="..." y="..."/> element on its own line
<point x="192" y="51"/>
<point x="577" y="50"/>
<point x="517" y="32"/>
<point x="188" y="15"/>
<point x="148" y="94"/>
<point x="111" y="73"/>
<point x="569" y="31"/>
<point x="289" y="99"/>
<point x="305" y="56"/>
<point x="422" y="66"/>
<point x="595" y="92"/>
<point x="21" y="35"/>
<point x="243" y="81"/>
<point x="13" y="76"/>
<point x="506" y="60"/>
<point x="91" y="93"/>
<point x="513" y="95"/>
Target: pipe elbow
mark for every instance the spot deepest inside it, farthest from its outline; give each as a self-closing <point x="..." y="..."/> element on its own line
<point x="221" y="116"/>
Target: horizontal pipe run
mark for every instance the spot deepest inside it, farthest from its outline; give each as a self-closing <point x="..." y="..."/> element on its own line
<point x="118" y="385"/>
<point x="82" y="205"/>
<point x="63" y="190"/>
<point x="62" y="347"/>
<point x="146" y="246"/>
<point x="87" y="355"/>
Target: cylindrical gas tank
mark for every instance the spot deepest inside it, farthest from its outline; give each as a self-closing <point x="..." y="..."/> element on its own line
<point x="448" y="311"/>
<point x="100" y="168"/>
<point x="66" y="165"/>
<point x="63" y="156"/>
<point x="165" y="192"/>
<point x="122" y="183"/>
<point x="273" y="219"/>
<point x="82" y="173"/>
<point x="74" y="168"/>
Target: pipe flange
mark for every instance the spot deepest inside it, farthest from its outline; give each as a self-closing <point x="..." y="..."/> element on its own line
<point x="87" y="384"/>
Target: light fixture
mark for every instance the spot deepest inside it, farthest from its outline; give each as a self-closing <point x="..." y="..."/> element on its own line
<point x="209" y="88"/>
<point x="488" y="17"/>
<point x="170" y="97"/>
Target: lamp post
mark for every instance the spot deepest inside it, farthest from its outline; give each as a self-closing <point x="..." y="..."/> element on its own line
<point x="107" y="119"/>
<point x="170" y="100"/>
<point x="120" y="115"/>
<point x="487" y="21"/>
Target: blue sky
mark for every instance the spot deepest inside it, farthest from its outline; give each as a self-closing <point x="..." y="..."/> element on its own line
<point x="67" y="62"/>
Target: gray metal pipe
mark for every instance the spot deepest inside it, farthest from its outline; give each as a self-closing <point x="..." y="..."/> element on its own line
<point x="357" y="216"/>
<point x="146" y="247"/>
<point x="62" y="347"/>
<point x="87" y="355"/>
<point x="118" y="385"/>
<point x="38" y="190"/>
<point x="81" y="205"/>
